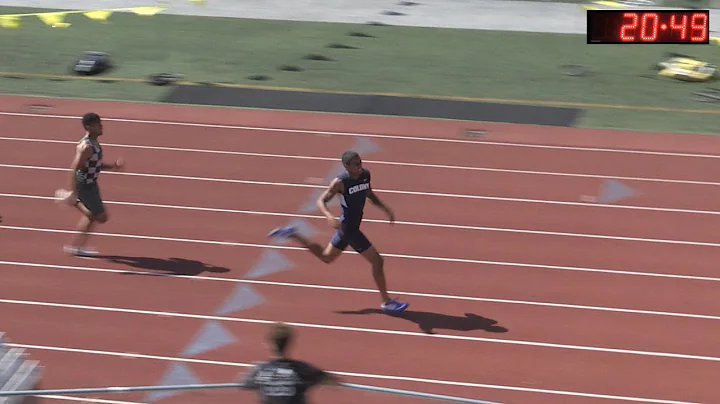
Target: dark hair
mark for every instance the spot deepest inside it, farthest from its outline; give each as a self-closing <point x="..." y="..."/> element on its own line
<point x="280" y="336"/>
<point x="89" y="119"/>
<point x="349" y="156"/>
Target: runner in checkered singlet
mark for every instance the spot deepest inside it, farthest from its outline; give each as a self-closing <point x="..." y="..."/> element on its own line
<point x="90" y="171"/>
<point x="84" y="173"/>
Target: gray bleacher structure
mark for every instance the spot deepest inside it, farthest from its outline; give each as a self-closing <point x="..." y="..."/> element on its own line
<point x="17" y="372"/>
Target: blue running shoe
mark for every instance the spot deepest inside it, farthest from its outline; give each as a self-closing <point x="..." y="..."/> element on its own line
<point x="393" y="306"/>
<point x="282" y="231"/>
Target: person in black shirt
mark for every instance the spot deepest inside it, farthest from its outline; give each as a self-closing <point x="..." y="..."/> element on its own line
<point x="281" y="380"/>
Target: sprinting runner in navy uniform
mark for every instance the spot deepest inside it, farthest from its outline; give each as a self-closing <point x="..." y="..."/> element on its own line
<point x="353" y="188"/>
<point x="352" y="201"/>
<point x="280" y="379"/>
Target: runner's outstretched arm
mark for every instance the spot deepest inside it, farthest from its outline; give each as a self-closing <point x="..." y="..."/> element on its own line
<point x="372" y="196"/>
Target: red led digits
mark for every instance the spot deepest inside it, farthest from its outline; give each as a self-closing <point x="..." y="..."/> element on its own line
<point x="654" y="26"/>
<point x="682" y="27"/>
<point x="628" y="26"/>
<point x="648" y="26"/>
<point x="702" y="27"/>
<point x="649" y="22"/>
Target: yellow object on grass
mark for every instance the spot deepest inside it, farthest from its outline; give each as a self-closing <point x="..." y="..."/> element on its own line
<point x="686" y="69"/>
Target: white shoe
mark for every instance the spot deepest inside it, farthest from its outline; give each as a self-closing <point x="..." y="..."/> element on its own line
<point x="80" y="251"/>
<point x="64" y="196"/>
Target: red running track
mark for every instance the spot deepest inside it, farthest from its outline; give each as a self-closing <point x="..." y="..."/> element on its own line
<point x="530" y="304"/>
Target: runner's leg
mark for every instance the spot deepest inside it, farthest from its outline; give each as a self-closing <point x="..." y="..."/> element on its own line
<point x="378" y="272"/>
<point x="90" y="204"/>
<point x="328" y="254"/>
<point x="364" y="247"/>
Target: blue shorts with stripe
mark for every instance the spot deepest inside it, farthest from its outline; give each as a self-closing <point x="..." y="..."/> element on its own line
<point x="350" y="235"/>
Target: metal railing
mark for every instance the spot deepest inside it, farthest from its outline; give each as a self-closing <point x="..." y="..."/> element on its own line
<point x="17" y="372"/>
<point x="19" y="377"/>
<point x="130" y="389"/>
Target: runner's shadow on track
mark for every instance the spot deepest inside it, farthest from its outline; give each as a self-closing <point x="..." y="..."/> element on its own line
<point x="429" y="322"/>
<point x="171" y="266"/>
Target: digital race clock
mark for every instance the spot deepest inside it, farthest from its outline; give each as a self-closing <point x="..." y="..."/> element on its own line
<point x="648" y="26"/>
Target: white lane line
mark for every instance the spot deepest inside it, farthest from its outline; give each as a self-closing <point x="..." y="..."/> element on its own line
<point x="362" y="290"/>
<point x="378" y="162"/>
<point x="399" y="222"/>
<point x="366" y="330"/>
<point x="370" y="135"/>
<point x="353" y="374"/>
<point x="388" y="191"/>
<point x="86" y="400"/>
<point x="392" y="255"/>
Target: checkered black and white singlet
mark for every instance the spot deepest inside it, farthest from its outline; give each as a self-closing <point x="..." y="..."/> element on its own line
<point x="89" y="173"/>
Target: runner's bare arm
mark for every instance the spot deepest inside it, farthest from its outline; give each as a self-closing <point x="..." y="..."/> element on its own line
<point x="372" y="196"/>
<point x="335" y="187"/>
<point x="117" y="164"/>
<point x="83" y="152"/>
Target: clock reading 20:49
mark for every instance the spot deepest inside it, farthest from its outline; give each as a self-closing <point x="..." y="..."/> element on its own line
<point x="648" y="26"/>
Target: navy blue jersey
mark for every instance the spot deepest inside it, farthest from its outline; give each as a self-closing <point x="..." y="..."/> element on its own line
<point x="353" y="197"/>
<point x="283" y="381"/>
